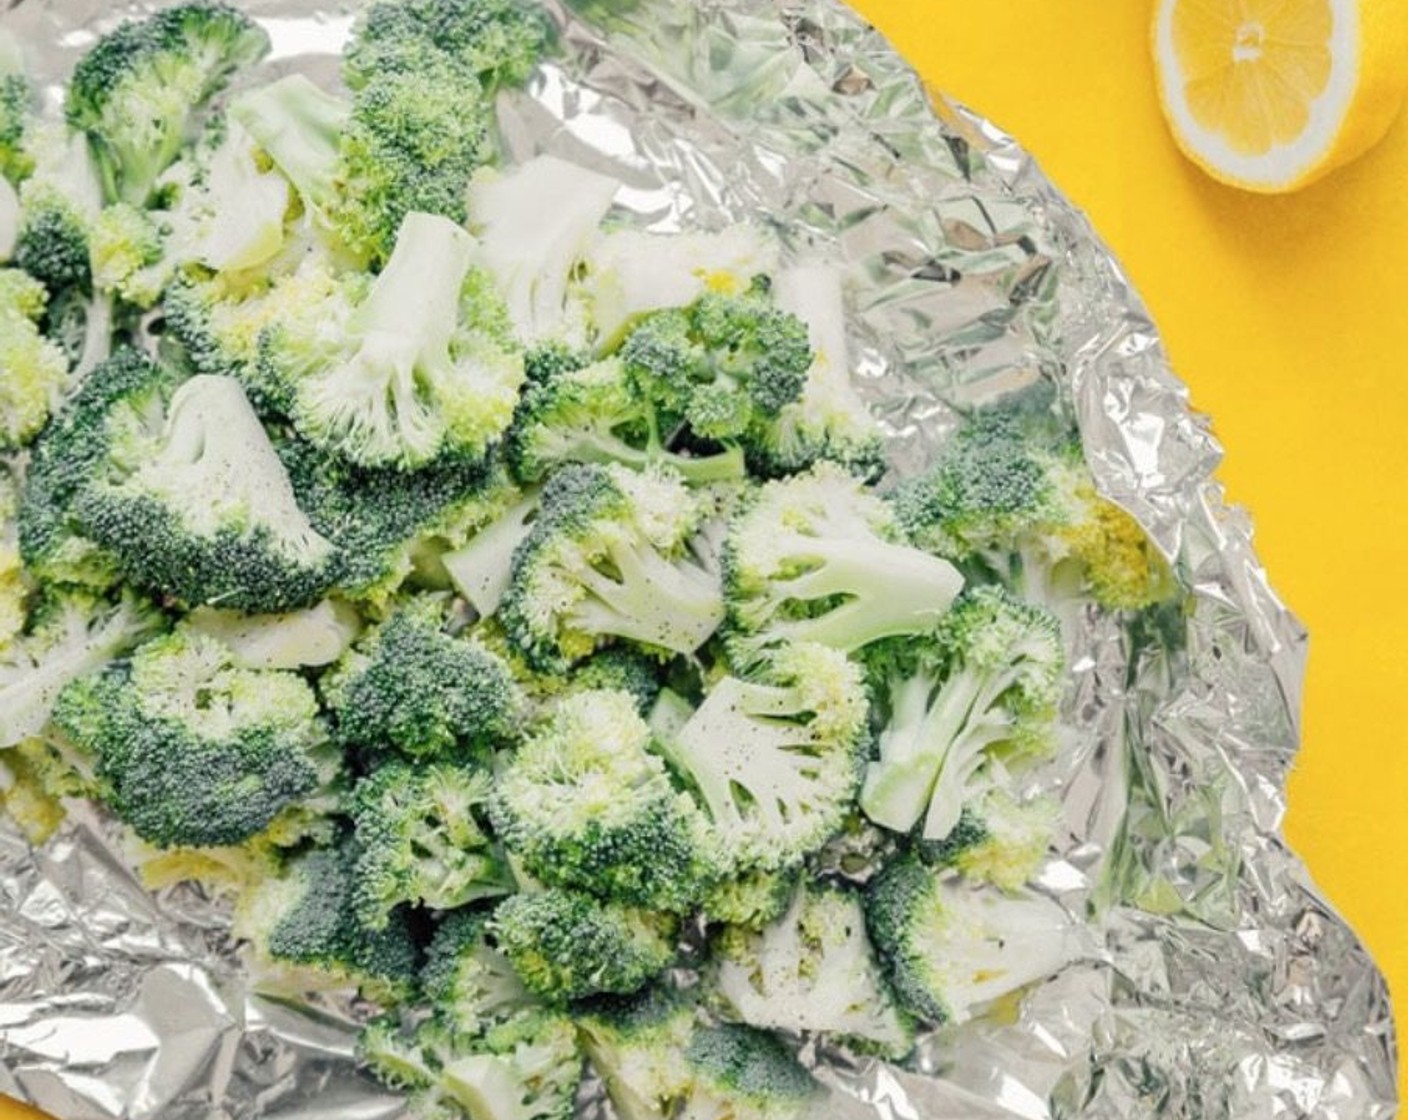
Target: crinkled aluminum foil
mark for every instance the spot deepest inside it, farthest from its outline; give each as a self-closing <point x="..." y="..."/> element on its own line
<point x="1219" y="984"/>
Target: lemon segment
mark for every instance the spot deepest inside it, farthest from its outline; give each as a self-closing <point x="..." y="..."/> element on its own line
<point x="1272" y="94"/>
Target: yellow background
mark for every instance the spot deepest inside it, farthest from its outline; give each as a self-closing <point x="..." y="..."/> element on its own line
<point x="1288" y="318"/>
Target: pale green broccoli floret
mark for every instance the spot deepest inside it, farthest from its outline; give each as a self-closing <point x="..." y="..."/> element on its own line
<point x="411" y="686"/>
<point x="777" y="759"/>
<point x="192" y="750"/>
<point x="989" y="680"/>
<point x="752" y="898"/>
<point x="609" y="557"/>
<point x="818" y="558"/>
<point x="205" y="512"/>
<point x="998" y="839"/>
<point x="70" y="635"/>
<point x="584" y="803"/>
<point x="308" y="638"/>
<point x="126" y="249"/>
<point x="469" y="983"/>
<point x="949" y="948"/>
<point x="811" y="970"/>
<point x="403" y="376"/>
<point x="35" y="370"/>
<point x="137" y="91"/>
<point x="637" y="1046"/>
<point x="535" y="224"/>
<point x="17" y="105"/>
<point x="565" y="944"/>
<point x="418" y="842"/>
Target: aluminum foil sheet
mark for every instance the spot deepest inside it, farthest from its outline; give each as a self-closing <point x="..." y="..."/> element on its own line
<point x="1217" y="983"/>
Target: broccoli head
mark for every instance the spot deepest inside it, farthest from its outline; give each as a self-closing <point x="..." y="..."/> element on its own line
<point x="136" y="92"/>
<point x="35" y="369"/>
<point x="418" y="842"/>
<point x="192" y="750"/>
<point x="411" y="686"/>
<point x="566" y="945"/>
<point x="584" y="803"/>
<point x="988" y="683"/>
<point x="818" y="558"/>
<point x="609" y="557"/>
<point x="469" y="983"/>
<point x="16" y="109"/>
<point x="747" y="1074"/>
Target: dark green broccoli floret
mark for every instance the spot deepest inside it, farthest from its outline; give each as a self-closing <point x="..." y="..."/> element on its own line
<point x="409" y="685"/>
<point x="469" y="983"/>
<point x="989" y="680"/>
<point x="52" y="245"/>
<point x="192" y="750"/>
<point x="547" y="360"/>
<point x="949" y="948"/>
<point x="776" y="760"/>
<point x="585" y="804"/>
<point x="137" y="91"/>
<point x="124" y="398"/>
<point x="623" y="669"/>
<point x="609" y="557"/>
<point x="418" y="842"/>
<point x="565" y="945"/>
<point x="817" y="558"/>
<point x="307" y="918"/>
<point x="746" y="1074"/>
<point x="204" y="512"/>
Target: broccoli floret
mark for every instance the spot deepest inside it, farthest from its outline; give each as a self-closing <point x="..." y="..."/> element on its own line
<point x="989" y="680"/>
<point x="205" y="512"/>
<point x="609" y="557"/>
<point x="192" y="750"/>
<point x="418" y="841"/>
<point x="137" y="91"/>
<point x="812" y="970"/>
<point x="637" y="1046"/>
<point x="70" y="635"/>
<point x="482" y="569"/>
<point x="35" y="369"/>
<point x="600" y="414"/>
<point x="752" y="898"/>
<point x="624" y="670"/>
<point x="724" y="365"/>
<point x="16" y="108"/>
<point x="15" y="584"/>
<point x="829" y="420"/>
<point x="306" y="918"/>
<point x="126" y="395"/>
<point x="309" y="638"/>
<point x="471" y="985"/>
<point x="746" y="1074"/>
<point x="950" y="948"/>
<point x="776" y="760"/>
<point x="25" y="800"/>
<point x="536" y="223"/>
<point x="126" y="248"/>
<point x="410" y="686"/>
<point x="566" y="945"/>
<point x="997" y="839"/>
<point x="584" y="803"/>
<point x="553" y="358"/>
<point x="817" y="558"/>
<point x="52" y="241"/>
<point x="401" y="377"/>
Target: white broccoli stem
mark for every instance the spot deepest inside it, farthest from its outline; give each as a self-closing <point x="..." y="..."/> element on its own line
<point x="535" y="224"/>
<point x="299" y="127"/>
<point x="244" y="221"/>
<point x="486" y="1086"/>
<point x="672" y="604"/>
<point x="308" y="638"/>
<point x="897" y="590"/>
<point x="482" y="570"/>
<point x="9" y="219"/>
<point x="97" y="336"/>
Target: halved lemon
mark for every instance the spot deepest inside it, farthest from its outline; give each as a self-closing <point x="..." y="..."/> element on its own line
<point x="1271" y="94"/>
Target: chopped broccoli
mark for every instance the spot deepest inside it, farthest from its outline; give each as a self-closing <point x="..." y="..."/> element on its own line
<point x="752" y="898"/>
<point x="817" y="558"/>
<point x="812" y="970"/>
<point x="725" y="364"/>
<point x="403" y="376"/>
<point x="777" y="760"/>
<point x="482" y="568"/>
<point x="15" y="583"/>
<point x="25" y="800"/>
<point x="205" y="512"/>
<point x="469" y="983"/>
<point x="410" y="686"/>
<point x="622" y="669"/>
<point x="192" y="750"/>
<point x="126" y="250"/>
<point x="136" y="92"/>
<point x="535" y="224"/>
<point x="949" y="949"/>
<point x="609" y="557"/>
<point x="16" y="110"/>
<point x="306" y="919"/>
<point x="565" y="944"/>
<point x="69" y="635"/>
<point x="600" y="414"/>
<point x="989" y="679"/>
<point x="35" y="369"/>
<point x="57" y="203"/>
<point x="746" y="1074"/>
<point x="584" y="803"/>
<point x="312" y="638"/>
<point x="997" y="839"/>
<point x="418" y="842"/>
